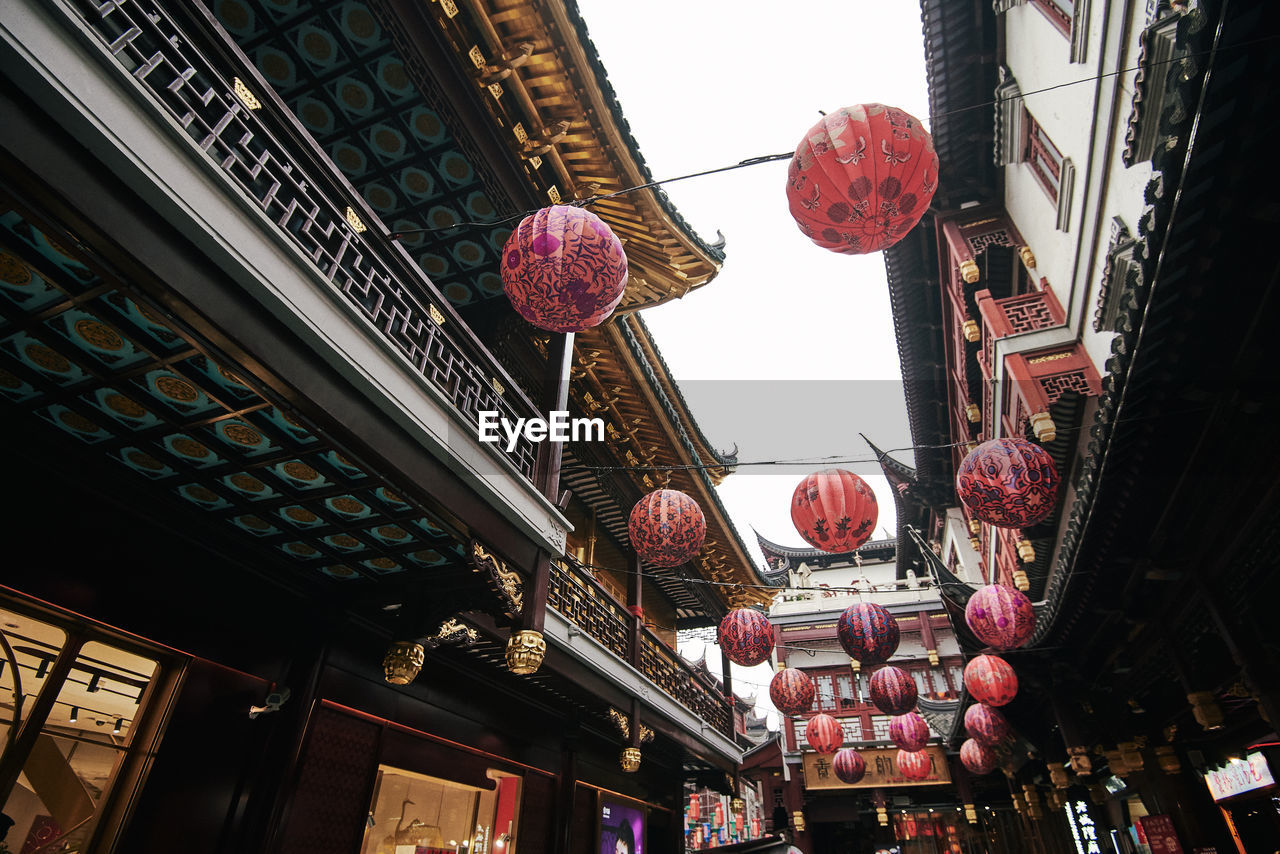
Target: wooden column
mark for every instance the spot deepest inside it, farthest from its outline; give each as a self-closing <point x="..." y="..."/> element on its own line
<point x="566" y="792"/>
<point x="727" y="680"/>
<point x="635" y="601"/>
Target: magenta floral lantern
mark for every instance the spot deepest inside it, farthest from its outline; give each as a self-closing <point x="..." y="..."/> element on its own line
<point x="893" y="691"/>
<point x="861" y="178"/>
<point x="977" y="757"/>
<point x="915" y="765"/>
<point x="1001" y="616"/>
<point x="849" y="766"/>
<point x="824" y="734"/>
<point x="991" y="680"/>
<point x="667" y="528"/>
<point x="746" y="636"/>
<point x="868" y="633"/>
<point x="791" y="691"/>
<point x="1009" y="483"/>
<point x="985" y="724"/>
<point x="564" y="269"/>
<point x="910" y="731"/>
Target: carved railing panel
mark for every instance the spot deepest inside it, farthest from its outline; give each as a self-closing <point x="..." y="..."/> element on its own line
<point x="661" y="664"/>
<point x="256" y="143"/>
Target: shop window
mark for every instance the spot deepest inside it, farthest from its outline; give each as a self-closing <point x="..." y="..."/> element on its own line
<point x="825" y="696"/>
<point x="844" y="692"/>
<point x="417" y="814"/>
<point x="81" y="701"/>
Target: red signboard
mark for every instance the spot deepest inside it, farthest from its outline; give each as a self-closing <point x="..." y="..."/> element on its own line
<point x="1160" y="834"/>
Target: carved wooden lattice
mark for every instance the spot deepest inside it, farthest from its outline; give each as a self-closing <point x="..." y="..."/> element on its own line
<point x="979" y="242"/>
<point x="1028" y="313"/>
<point x="1057" y="385"/>
<point x="590" y="608"/>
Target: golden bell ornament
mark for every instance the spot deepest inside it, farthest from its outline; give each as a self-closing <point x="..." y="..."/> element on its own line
<point x="969" y="272"/>
<point x="630" y="759"/>
<point x="1026" y="551"/>
<point x="972" y="332"/>
<point x="971" y="813"/>
<point x="737" y="805"/>
<point x="403" y="662"/>
<point x="882" y="816"/>
<point x="525" y="652"/>
<point x="1021" y="581"/>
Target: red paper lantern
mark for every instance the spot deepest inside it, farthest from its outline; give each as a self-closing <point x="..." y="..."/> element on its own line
<point x="915" y="765"/>
<point x="849" y="766"/>
<point x="834" y="510"/>
<point x="824" y="734"/>
<point x="1000" y="616"/>
<point x="791" y="691"/>
<point x="667" y="528"/>
<point x="861" y="178"/>
<point x="977" y="757"/>
<point x="910" y="731"/>
<point x="564" y="269"/>
<point x="893" y="691"/>
<point x="991" y="680"/>
<point x="868" y="633"/>
<point x="985" y="724"/>
<point x="746" y="636"/>
<point x="1009" y="483"/>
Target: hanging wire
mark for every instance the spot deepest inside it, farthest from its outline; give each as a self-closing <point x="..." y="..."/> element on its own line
<point x="773" y="158"/>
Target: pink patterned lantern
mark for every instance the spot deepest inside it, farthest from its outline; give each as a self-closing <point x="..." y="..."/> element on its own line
<point x="834" y="510"/>
<point x="861" y="178"/>
<point x="1000" y="616"/>
<point x="893" y="691"/>
<point x="667" y="528"/>
<point x="910" y="731"/>
<point x="985" y="724"/>
<point x="1009" y="483"/>
<point x="849" y="766"/>
<point x="824" y="734"/>
<point x="746" y="636"/>
<point x="563" y="269"/>
<point x="915" y="765"/>
<point x="991" y="680"/>
<point x="868" y="633"/>
<point x="791" y="691"/>
<point x="977" y="757"/>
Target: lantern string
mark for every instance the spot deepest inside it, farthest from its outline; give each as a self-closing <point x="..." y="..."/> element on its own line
<point x="772" y="158"/>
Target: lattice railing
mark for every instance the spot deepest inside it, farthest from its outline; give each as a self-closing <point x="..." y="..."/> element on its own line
<point x="257" y="145"/>
<point x="661" y="664"/>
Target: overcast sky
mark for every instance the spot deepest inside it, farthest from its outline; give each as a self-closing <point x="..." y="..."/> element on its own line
<point x="790" y="352"/>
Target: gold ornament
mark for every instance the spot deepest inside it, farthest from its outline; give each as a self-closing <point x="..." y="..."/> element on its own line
<point x="1028" y="257"/>
<point x="971" y="813"/>
<point x="975" y="527"/>
<point x="882" y="816"/>
<point x="933" y="657"/>
<point x="1079" y="759"/>
<point x="403" y="661"/>
<point x="1021" y="581"/>
<point x="1206" y="709"/>
<point x="525" y="652"/>
<point x="1044" y="428"/>
<point x="969" y="271"/>
<point x="630" y="759"/>
<point x="972" y="332"/>
<point x="1058" y="776"/>
<point x="797" y="821"/>
<point x="1026" y="551"/>
<point x="737" y="805"/>
<point x="973" y="413"/>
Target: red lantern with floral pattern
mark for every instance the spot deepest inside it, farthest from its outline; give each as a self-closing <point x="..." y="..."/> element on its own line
<point x="791" y="691"/>
<point x="861" y="178"/>
<point x="868" y="633"/>
<point x="564" y="269"/>
<point x="824" y="734"/>
<point x="909" y="731"/>
<point x="915" y="765"/>
<point x="1000" y="616"/>
<point x="849" y="766"/>
<point x="977" y="757"/>
<point x="667" y="528"/>
<point x="985" y="724"/>
<point x="893" y="691"/>
<point x="834" y="510"/>
<point x="1009" y="483"/>
<point x="746" y="636"/>
<point x="991" y="680"/>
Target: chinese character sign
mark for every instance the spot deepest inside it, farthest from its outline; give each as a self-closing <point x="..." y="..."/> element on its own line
<point x="1239" y="776"/>
<point x="1160" y="834"/>
<point x="1084" y="831"/>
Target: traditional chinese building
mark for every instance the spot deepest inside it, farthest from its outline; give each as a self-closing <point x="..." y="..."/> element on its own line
<point x="270" y="592"/>
<point x="1065" y="289"/>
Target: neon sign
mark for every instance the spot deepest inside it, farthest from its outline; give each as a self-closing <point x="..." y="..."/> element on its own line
<point x="1083" y="830"/>
<point x="1239" y="775"/>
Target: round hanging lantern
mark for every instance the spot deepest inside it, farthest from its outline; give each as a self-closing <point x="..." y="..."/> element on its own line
<point x="915" y="765"/>
<point x="985" y="724"/>
<point x="977" y="757"/>
<point x="791" y="691"/>
<point x="564" y="269"/>
<point x="861" y="178"/>
<point x="1009" y="483"/>
<point x="849" y="765"/>
<point x="1000" y="616"/>
<point x="824" y="734"/>
<point x="991" y="680"/>
<point x="834" y="510"/>
<point x="868" y="633"/>
<point x="909" y="731"/>
<point x="893" y="691"/>
<point x="667" y="528"/>
<point x="746" y="636"/>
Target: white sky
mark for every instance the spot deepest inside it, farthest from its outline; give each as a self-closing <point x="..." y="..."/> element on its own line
<point x="790" y="351"/>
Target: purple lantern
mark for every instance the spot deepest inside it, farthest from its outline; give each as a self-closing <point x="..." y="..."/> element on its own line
<point x="893" y="691"/>
<point x="985" y="724"/>
<point x="868" y="633"/>
<point x="1000" y="616"/>
<point x="909" y="731"/>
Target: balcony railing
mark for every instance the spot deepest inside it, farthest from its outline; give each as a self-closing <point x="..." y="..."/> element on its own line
<point x="578" y="598"/>
<point x="196" y="77"/>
